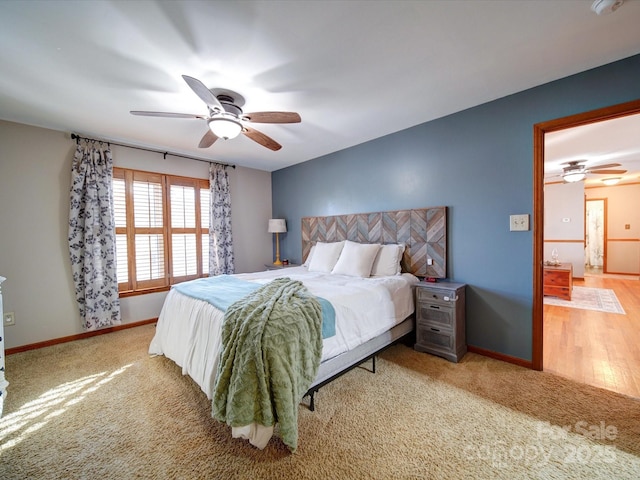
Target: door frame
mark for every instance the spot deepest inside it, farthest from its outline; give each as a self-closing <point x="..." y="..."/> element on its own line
<point x="539" y="131"/>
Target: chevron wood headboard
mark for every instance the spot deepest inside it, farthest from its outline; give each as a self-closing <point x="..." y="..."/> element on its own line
<point x="423" y="231"/>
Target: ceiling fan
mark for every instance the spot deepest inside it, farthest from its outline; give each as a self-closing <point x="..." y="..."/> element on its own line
<point x="576" y="170"/>
<point x="226" y="119"/>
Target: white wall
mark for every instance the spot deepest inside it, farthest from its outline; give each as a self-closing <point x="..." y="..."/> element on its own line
<point x="623" y="245"/>
<point x="564" y="224"/>
<point x="35" y="176"/>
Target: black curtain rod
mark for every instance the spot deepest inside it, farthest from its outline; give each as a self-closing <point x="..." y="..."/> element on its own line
<point x="77" y="138"/>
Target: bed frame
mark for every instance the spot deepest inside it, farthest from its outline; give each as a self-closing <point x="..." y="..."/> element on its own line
<point x="337" y="366"/>
<point x="423" y="231"/>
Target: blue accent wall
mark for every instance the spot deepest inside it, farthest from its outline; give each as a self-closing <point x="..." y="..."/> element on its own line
<point x="478" y="163"/>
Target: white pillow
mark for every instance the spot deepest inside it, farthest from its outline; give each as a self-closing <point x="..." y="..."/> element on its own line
<point x="388" y="261"/>
<point x="325" y="256"/>
<point x="356" y="259"/>
<point x="308" y="260"/>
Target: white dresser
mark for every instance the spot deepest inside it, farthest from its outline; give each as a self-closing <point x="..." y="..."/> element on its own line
<point x="3" y="382"/>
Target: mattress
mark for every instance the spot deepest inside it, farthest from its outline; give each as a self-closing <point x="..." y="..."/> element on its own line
<point x="188" y="329"/>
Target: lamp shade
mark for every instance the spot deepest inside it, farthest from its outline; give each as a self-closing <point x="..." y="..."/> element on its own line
<point x="573" y="177"/>
<point x="225" y="127"/>
<point x="277" y="225"/>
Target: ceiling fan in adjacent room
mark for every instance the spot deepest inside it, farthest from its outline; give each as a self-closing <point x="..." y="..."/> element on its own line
<point x="226" y="119"/>
<point x="576" y="170"/>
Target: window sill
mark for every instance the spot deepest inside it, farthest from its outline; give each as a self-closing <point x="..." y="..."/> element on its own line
<point x="134" y="293"/>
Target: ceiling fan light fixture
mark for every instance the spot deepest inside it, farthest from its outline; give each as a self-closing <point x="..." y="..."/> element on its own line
<point x="611" y="181"/>
<point x="604" y="7"/>
<point x="573" y="177"/>
<point x="225" y="127"/>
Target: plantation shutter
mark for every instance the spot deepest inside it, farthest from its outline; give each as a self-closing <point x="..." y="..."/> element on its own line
<point x="150" y="241"/>
<point x="205" y="199"/>
<point x="183" y="230"/>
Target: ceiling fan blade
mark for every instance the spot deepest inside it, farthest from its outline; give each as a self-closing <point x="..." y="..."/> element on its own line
<point x="607" y="172"/>
<point x="261" y="138"/>
<point x="272" y="117"/>
<point x="166" y="114"/>
<point x="208" y="139"/>
<point x="608" y="165"/>
<point x="203" y="92"/>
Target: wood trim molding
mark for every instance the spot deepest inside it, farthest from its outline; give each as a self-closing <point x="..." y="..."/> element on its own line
<point x="500" y="356"/>
<point x="538" y="245"/>
<point x="623" y="240"/>
<point x="79" y="336"/>
<point x="539" y="131"/>
<point x="564" y="241"/>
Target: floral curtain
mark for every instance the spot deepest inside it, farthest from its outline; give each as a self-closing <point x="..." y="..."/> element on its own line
<point x="220" y="238"/>
<point x="92" y="236"/>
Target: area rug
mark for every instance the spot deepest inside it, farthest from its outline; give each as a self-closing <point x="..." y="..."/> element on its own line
<point x="588" y="298"/>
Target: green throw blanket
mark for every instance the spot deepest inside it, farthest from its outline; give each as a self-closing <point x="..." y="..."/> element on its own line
<point x="271" y="349"/>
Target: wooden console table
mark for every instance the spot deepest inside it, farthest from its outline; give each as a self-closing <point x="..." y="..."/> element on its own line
<point x="558" y="280"/>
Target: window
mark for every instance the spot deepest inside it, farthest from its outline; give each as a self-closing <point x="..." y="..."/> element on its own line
<point x="162" y="229"/>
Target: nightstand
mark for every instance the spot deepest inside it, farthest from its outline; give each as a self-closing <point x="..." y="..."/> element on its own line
<point x="271" y="266"/>
<point x="558" y="280"/>
<point x="440" y="319"/>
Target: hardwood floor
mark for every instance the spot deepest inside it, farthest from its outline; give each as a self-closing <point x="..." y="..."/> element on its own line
<point x="597" y="348"/>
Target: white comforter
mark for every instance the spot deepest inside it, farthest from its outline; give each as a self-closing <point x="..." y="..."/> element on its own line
<point x="188" y="330"/>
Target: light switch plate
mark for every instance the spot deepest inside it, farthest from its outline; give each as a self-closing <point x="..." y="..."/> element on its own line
<point x="519" y="223"/>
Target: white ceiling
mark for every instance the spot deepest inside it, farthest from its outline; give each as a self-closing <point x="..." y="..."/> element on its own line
<point x="354" y="70"/>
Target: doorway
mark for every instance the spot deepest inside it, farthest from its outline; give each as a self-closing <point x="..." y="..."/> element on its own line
<point x="595" y="257"/>
<point x="594" y="348"/>
<point x="539" y="131"/>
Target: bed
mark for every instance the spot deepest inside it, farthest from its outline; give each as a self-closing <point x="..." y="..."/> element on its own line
<point x="373" y="309"/>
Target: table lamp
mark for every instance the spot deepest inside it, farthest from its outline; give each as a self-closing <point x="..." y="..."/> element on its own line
<point x="277" y="226"/>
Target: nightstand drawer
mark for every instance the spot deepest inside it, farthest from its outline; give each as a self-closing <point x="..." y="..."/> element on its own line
<point x="431" y="295"/>
<point x="435" y="314"/>
<point x="432" y="337"/>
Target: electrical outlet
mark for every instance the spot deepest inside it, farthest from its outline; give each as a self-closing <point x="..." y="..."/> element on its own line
<point x="9" y="319"/>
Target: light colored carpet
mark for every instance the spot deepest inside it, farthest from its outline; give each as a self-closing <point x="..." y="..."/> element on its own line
<point x="101" y="408"/>
<point x="588" y="298"/>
